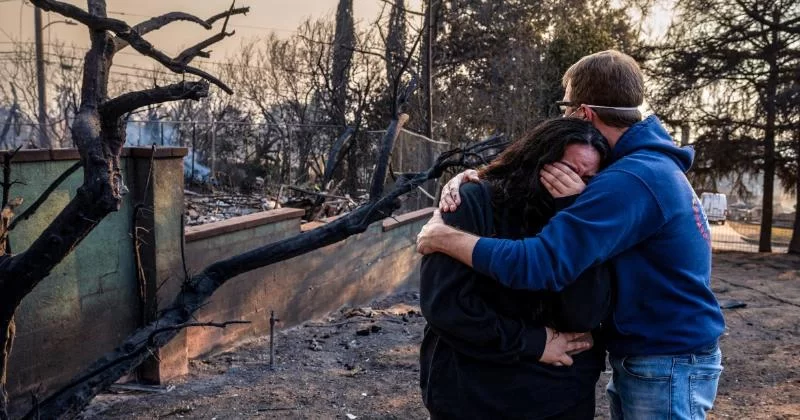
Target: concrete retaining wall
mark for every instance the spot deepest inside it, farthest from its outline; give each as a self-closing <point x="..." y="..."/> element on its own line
<point x="378" y="262"/>
<point x="90" y="302"/>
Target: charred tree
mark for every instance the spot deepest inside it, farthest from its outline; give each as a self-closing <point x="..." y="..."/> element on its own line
<point x="394" y="55"/>
<point x="99" y="133"/>
<point x="429" y="34"/>
<point x="344" y="44"/>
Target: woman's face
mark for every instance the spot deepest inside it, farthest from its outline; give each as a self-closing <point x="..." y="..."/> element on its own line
<point x="583" y="159"/>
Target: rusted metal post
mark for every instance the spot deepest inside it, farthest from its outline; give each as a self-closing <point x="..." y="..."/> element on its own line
<point x="272" y="340"/>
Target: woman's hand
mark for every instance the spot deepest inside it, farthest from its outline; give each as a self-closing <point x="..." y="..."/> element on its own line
<point x="450" y="198"/>
<point x="560" y="346"/>
<point x="560" y="180"/>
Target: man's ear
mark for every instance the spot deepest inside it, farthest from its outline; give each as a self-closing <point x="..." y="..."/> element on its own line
<point x="588" y="113"/>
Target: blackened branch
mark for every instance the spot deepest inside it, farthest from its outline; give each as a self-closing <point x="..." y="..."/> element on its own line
<point x="190" y="53"/>
<point x="119" y="106"/>
<point x="127" y="34"/>
<point x="387" y="142"/>
<point x="143" y="46"/>
<point x="159" y="22"/>
<point x="151" y="338"/>
<point x="98" y="23"/>
<point x="231" y="12"/>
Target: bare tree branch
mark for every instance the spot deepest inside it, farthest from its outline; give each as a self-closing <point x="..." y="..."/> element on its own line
<point x="190" y="53"/>
<point x="98" y="23"/>
<point x="159" y="22"/>
<point x="387" y="143"/>
<point x="12" y="113"/>
<point x="127" y="34"/>
<point x="119" y="106"/>
<point x="231" y="12"/>
<point x="144" y="47"/>
<point x="99" y="138"/>
<point x="790" y="26"/>
<point x="409" y="11"/>
<point x="336" y="154"/>
<point x="346" y="47"/>
<point x="384" y="154"/>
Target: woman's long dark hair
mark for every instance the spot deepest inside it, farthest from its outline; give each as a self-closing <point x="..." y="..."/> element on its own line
<point x="514" y="174"/>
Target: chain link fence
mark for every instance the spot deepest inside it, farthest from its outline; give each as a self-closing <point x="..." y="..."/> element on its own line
<point x="743" y="235"/>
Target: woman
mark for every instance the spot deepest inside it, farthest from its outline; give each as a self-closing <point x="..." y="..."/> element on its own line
<point x="480" y="354"/>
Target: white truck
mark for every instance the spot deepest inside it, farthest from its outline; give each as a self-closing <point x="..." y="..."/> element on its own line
<point x="716" y="207"/>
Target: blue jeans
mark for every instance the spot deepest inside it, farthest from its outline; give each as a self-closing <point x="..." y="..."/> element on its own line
<point x="664" y="387"/>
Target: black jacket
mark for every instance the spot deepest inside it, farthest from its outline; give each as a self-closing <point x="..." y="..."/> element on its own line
<point x="479" y="356"/>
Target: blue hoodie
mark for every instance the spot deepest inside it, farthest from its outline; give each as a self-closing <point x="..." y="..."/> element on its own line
<point x="643" y="217"/>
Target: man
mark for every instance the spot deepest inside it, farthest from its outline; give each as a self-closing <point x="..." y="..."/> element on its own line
<point x="642" y="216"/>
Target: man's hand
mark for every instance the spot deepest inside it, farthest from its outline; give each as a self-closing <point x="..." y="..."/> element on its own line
<point x="560" y="346"/>
<point x="428" y="237"/>
<point x="450" y="198"/>
<point x="436" y="236"/>
<point x="560" y="180"/>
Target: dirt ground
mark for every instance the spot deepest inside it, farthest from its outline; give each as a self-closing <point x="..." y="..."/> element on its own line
<point x="362" y="363"/>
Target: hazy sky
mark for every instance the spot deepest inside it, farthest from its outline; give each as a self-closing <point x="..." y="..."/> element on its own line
<point x="282" y="16"/>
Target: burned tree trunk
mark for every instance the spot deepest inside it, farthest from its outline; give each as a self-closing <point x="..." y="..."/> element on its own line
<point x="395" y="44"/>
<point x="7" y="332"/>
<point x="99" y="133"/>
<point x="794" y="242"/>
<point x="429" y="33"/>
<point x="344" y="42"/>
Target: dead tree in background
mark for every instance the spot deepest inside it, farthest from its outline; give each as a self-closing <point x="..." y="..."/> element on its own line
<point x="396" y="44"/>
<point x="429" y="34"/>
<point x="343" y="45"/>
<point x="12" y="114"/>
<point x="99" y="133"/>
<point x="344" y="41"/>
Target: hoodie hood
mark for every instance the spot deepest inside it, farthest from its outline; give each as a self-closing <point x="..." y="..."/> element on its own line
<point x="649" y="134"/>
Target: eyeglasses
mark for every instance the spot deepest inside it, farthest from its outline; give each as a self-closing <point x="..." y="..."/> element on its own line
<point x="562" y="105"/>
<point x="559" y="108"/>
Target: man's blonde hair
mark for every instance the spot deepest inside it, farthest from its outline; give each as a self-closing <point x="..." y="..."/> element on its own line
<point x="607" y="78"/>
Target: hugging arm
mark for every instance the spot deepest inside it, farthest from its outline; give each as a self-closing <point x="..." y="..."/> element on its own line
<point x="613" y="214"/>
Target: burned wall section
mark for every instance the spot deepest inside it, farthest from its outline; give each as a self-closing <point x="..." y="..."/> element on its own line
<point x="378" y="262"/>
<point x="91" y="301"/>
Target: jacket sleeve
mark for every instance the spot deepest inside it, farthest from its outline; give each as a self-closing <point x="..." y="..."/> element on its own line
<point x="615" y="212"/>
<point x="454" y="309"/>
